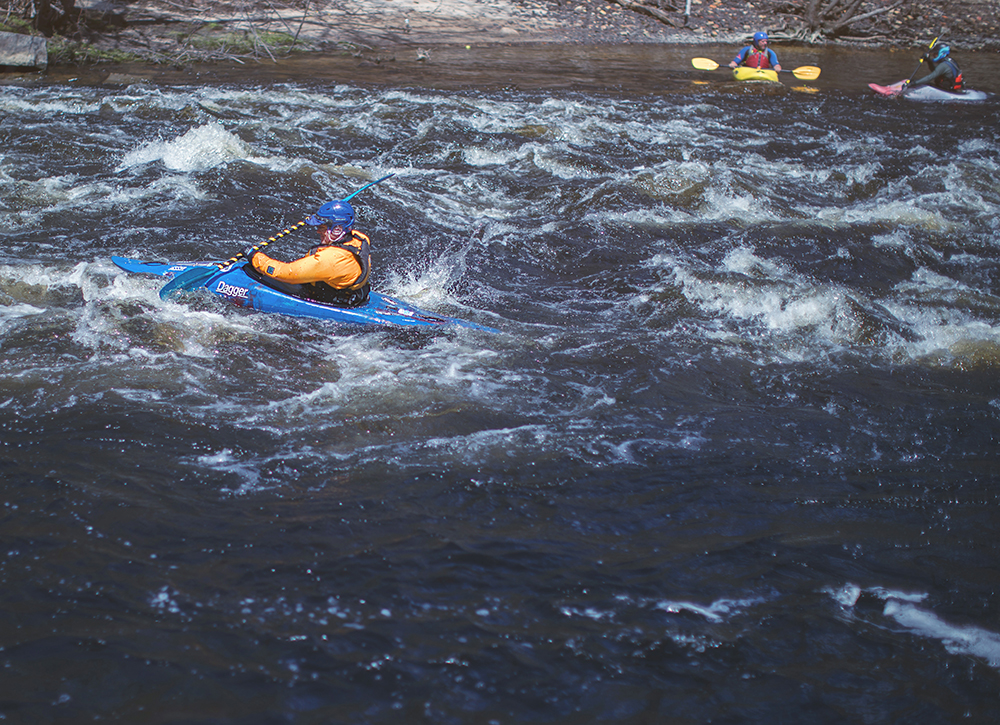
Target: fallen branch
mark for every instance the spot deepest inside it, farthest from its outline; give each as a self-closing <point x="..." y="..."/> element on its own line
<point x="647" y="10"/>
<point x="831" y="18"/>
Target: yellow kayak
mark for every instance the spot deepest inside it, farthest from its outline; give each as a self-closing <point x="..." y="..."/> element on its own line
<point x="742" y="73"/>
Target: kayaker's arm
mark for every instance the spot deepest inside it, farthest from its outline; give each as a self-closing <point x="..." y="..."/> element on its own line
<point x="941" y="70"/>
<point x="337" y="267"/>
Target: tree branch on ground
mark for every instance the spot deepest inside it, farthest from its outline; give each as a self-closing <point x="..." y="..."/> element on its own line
<point x="649" y="7"/>
<point x="829" y="19"/>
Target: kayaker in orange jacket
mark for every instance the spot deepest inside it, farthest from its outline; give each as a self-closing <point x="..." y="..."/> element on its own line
<point x="335" y="272"/>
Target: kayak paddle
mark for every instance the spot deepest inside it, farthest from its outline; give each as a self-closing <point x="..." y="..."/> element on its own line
<point x="194" y="278"/>
<point x="372" y="183"/>
<point x="804" y="72"/>
<point x="919" y="63"/>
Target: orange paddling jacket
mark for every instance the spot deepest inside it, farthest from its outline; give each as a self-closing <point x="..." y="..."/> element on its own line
<point x="345" y="265"/>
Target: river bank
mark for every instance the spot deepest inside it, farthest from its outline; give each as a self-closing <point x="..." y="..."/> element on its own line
<point x="194" y="32"/>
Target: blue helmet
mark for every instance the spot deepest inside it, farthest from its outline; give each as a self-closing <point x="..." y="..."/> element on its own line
<point x="336" y="213"/>
<point x="939" y="53"/>
<point x="757" y="37"/>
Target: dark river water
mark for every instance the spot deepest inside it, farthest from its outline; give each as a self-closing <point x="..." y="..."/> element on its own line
<point x="732" y="456"/>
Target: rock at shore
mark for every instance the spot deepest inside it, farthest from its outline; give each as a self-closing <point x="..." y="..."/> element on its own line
<point x="23" y="50"/>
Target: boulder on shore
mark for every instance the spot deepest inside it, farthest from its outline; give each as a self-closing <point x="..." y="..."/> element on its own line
<point x="23" y="50"/>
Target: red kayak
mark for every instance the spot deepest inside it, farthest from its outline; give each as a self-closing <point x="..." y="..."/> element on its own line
<point x="893" y="90"/>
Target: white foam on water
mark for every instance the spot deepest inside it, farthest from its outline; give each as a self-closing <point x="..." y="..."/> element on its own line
<point x="45" y="277"/>
<point x="847" y="595"/>
<point x="99" y="325"/>
<point x="429" y="286"/>
<point x="246" y="471"/>
<point x="482" y="157"/>
<point x="372" y="376"/>
<point x="495" y="444"/>
<point x="11" y="314"/>
<point x="628" y="451"/>
<point x="201" y="148"/>
<point x="906" y="213"/>
<point x="718" y="611"/>
<point x="753" y="288"/>
<point x="592" y="613"/>
<point x="166" y="599"/>
<point x="938" y="307"/>
<point x="967" y="640"/>
<point x="721" y="202"/>
<point x="60" y="194"/>
<point x="902" y="608"/>
<point x="929" y="318"/>
<point x="52" y="102"/>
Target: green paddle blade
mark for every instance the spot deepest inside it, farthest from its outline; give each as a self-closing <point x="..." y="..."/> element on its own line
<point x="704" y="63"/>
<point x="187" y="280"/>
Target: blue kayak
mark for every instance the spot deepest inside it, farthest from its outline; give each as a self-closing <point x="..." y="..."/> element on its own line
<point x="235" y="285"/>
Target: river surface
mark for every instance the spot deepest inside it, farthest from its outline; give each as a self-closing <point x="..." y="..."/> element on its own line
<point x="731" y="457"/>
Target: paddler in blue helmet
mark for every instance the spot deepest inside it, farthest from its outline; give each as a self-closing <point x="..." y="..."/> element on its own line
<point x="757" y="55"/>
<point x="335" y="272"/>
<point x="944" y="74"/>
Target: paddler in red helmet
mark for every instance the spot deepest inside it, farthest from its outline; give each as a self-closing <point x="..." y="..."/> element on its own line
<point x="757" y="55"/>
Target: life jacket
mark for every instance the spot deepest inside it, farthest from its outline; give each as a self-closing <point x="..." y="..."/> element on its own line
<point x="955" y="83"/>
<point x="359" y="247"/>
<point x="362" y="252"/>
<point x="357" y="293"/>
<point x="757" y="58"/>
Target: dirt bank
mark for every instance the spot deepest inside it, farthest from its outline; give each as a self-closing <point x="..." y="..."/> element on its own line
<point x="180" y="31"/>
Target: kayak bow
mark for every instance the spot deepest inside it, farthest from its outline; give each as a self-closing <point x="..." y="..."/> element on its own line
<point x="743" y="73"/>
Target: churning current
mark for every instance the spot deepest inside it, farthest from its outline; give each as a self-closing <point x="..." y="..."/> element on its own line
<point x="731" y="457"/>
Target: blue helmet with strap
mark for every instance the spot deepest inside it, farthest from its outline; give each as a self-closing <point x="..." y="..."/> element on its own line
<point x="940" y="53"/>
<point x="336" y="213"/>
<point x="757" y="37"/>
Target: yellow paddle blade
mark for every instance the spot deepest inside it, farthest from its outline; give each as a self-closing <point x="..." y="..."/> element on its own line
<point x="704" y="64"/>
<point x="806" y="72"/>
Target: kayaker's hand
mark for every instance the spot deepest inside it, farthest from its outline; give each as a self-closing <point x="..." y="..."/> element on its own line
<point x="249" y="252"/>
